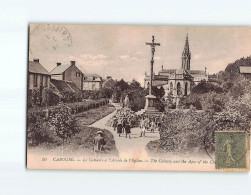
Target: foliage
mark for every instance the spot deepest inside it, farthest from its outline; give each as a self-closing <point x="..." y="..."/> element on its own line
<point x="91" y="94"/>
<point x="232" y="72"/>
<point x="137" y="99"/>
<point x="49" y="97"/>
<point x="63" y="123"/>
<point x="159" y="93"/>
<point x="122" y="85"/>
<point x="185" y="132"/>
<point x="37" y="130"/>
<point x="206" y="87"/>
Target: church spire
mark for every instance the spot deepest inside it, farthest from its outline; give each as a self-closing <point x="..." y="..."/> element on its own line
<point x="186" y="55"/>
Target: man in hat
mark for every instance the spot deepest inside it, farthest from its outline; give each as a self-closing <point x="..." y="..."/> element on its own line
<point x="99" y="143"/>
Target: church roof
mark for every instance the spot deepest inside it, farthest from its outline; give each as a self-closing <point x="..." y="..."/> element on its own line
<point x="36" y="67"/>
<point x="181" y="71"/>
<point x="200" y="72"/>
<point x="169" y="71"/>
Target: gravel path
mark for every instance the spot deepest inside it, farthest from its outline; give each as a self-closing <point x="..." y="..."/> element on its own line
<point x="128" y="148"/>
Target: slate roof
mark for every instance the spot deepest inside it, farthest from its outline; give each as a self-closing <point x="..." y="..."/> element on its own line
<point x="60" y="69"/>
<point x="200" y="72"/>
<point x="65" y="86"/>
<point x="181" y="71"/>
<point x="35" y="67"/>
<point x="168" y="71"/>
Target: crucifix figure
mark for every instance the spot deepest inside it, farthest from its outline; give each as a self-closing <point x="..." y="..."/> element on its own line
<point x="152" y="44"/>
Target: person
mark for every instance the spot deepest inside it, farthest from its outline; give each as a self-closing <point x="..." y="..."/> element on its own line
<point x="142" y="126"/>
<point x="115" y="123"/>
<point x="146" y="123"/>
<point x="152" y="126"/>
<point x="99" y="143"/>
<point x="124" y="124"/>
<point x="119" y="127"/>
<point x="127" y="129"/>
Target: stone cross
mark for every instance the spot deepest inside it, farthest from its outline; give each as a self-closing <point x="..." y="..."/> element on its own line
<point x="152" y="44"/>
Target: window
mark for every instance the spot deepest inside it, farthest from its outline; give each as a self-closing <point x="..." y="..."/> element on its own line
<point x="35" y="80"/>
<point x="171" y="88"/>
<point x="179" y="90"/>
<point x="41" y="80"/>
<point x="46" y="81"/>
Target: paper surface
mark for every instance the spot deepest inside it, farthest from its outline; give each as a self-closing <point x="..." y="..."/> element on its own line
<point x="113" y="97"/>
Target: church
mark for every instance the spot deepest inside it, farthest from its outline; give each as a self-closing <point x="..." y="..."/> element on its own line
<point x="178" y="82"/>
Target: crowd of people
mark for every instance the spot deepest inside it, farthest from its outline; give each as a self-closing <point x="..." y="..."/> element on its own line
<point x="125" y="119"/>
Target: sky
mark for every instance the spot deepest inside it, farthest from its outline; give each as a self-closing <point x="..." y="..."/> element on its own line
<point x="120" y="51"/>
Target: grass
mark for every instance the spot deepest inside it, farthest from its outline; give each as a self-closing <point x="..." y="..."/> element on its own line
<point x="91" y="116"/>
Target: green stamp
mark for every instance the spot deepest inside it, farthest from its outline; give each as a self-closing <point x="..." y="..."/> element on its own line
<point x="230" y="149"/>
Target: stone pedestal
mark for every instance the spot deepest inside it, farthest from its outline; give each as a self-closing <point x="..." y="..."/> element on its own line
<point x="150" y="106"/>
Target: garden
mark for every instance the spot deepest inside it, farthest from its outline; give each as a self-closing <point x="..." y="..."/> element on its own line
<point x="210" y="107"/>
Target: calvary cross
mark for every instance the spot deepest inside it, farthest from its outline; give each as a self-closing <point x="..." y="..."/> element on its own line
<point x="152" y="44"/>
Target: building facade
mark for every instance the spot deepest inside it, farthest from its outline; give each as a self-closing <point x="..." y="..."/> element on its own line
<point x="92" y="82"/>
<point x="38" y="76"/>
<point x="178" y="82"/>
<point x="68" y="72"/>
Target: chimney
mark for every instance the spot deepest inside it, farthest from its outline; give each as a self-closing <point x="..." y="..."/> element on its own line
<point x="72" y="63"/>
<point x="58" y="63"/>
<point x="36" y="60"/>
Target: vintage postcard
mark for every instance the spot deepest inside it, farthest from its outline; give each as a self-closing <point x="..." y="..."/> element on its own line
<point x="121" y="97"/>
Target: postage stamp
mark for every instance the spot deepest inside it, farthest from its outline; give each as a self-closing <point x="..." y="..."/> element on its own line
<point x="230" y="150"/>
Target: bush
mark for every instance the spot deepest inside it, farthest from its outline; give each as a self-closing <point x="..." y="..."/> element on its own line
<point x="37" y="130"/>
<point x="63" y="123"/>
<point x="185" y="132"/>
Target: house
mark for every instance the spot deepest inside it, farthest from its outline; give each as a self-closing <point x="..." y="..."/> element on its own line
<point x="92" y="82"/>
<point x="38" y="76"/>
<point x="245" y="71"/>
<point x="68" y="72"/>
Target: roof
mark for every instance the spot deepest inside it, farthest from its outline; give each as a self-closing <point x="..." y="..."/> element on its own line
<point x="89" y="77"/>
<point x="92" y="75"/>
<point x="169" y="71"/>
<point x="201" y="72"/>
<point x="65" y="86"/>
<point x="60" y="69"/>
<point x="36" y="67"/>
<point x="245" y="69"/>
<point x="157" y="77"/>
<point x="181" y="71"/>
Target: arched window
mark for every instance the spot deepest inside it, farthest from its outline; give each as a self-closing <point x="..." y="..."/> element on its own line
<point x="186" y="89"/>
<point x="179" y="92"/>
<point x="93" y="86"/>
<point x="171" y="88"/>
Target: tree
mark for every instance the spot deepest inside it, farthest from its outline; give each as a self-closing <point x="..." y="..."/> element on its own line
<point x="159" y="93"/>
<point x="122" y="85"/>
<point x="135" y="84"/>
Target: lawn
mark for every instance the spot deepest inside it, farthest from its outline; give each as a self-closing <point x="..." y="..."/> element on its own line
<point x="91" y="116"/>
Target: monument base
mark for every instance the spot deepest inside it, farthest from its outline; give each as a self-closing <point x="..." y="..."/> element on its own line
<point x="149" y="107"/>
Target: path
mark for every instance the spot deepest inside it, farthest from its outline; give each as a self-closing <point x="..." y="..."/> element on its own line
<point x="134" y="147"/>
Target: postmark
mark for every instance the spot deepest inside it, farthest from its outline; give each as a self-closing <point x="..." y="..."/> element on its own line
<point x="230" y="150"/>
<point x="49" y="37"/>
